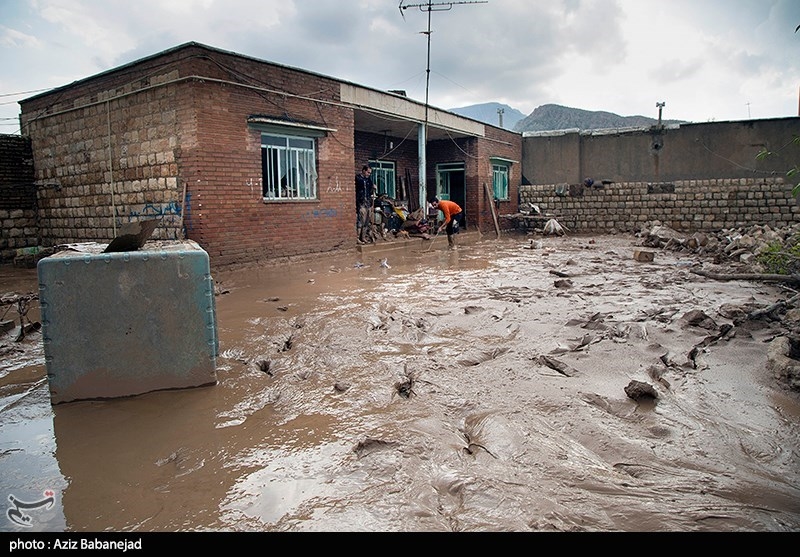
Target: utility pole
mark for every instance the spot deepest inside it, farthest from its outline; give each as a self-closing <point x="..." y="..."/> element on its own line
<point x="429" y="7"/>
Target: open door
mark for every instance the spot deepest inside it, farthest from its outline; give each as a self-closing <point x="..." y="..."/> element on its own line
<point x="451" y="184"/>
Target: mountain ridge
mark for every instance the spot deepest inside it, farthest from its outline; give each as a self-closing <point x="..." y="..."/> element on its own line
<point x="554" y="117"/>
<point x="488" y="114"/>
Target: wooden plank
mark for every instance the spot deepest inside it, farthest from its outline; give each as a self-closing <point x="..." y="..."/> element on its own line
<point x="491" y="206"/>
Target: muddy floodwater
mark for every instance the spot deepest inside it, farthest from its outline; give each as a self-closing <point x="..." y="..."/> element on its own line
<point x="478" y="389"/>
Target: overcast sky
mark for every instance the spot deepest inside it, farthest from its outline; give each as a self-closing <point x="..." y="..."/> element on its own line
<point x="707" y="60"/>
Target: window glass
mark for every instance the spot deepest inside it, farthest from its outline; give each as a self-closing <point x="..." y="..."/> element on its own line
<point x="288" y="167"/>
<point x="383" y="175"/>
<point x="500" y="181"/>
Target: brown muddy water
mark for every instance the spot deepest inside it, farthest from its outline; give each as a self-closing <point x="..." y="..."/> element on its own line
<point x="481" y="389"/>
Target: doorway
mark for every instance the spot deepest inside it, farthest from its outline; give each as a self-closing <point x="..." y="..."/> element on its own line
<point x="451" y="184"/>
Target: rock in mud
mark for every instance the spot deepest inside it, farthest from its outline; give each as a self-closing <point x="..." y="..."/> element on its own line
<point x="638" y="390"/>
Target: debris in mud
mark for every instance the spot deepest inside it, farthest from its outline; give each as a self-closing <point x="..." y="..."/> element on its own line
<point x="643" y="256"/>
<point x="557" y="365"/>
<point x="783" y="361"/>
<point x="708" y="341"/>
<point x="639" y="390"/>
<point x="739" y="246"/>
<point x="369" y="446"/>
<point x="657" y="374"/>
<point x="219" y="290"/>
<point x="553" y="227"/>
<point x="287" y="344"/>
<point x="596" y="322"/>
<point x="479" y="358"/>
<point x="406" y="388"/>
<point x="698" y="318"/>
<point x="563" y="283"/>
<point x="265" y="365"/>
<point x="341" y="387"/>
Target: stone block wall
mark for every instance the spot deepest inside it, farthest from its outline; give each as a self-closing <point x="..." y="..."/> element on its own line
<point x="107" y="163"/>
<point x="685" y="205"/>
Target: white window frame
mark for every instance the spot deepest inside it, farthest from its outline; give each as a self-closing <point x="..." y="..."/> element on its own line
<point x="288" y="167"/>
<point x="385" y="177"/>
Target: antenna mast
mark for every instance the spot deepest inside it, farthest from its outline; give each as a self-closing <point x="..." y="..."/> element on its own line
<point x="429" y="7"/>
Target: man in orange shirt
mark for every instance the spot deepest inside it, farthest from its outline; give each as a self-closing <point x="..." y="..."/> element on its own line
<point x="453" y="217"/>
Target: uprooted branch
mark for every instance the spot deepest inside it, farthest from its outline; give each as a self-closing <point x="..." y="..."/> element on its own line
<point x="766" y="277"/>
<point x="22" y="303"/>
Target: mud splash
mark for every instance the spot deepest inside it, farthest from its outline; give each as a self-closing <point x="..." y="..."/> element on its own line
<point x="420" y="395"/>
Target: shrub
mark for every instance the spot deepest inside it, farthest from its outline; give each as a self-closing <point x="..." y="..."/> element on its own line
<point x="781" y="259"/>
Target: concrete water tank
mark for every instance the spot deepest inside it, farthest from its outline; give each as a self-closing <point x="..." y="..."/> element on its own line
<point x="127" y="323"/>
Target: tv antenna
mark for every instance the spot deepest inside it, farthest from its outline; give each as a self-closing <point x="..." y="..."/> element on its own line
<point x="429" y="7"/>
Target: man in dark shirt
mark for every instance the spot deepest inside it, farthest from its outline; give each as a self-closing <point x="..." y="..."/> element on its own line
<point x="365" y="192"/>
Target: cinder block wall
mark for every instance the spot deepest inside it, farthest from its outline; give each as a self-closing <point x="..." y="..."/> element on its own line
<point x="111" y="160"/>
<point x="685" y="205"/>
<point x="696" y="177"/>
<point x="18" y="225"/>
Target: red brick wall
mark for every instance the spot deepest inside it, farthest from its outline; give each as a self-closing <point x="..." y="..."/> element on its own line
<point x="170" y="131"/>
<point x="476" y="155"/>
<point x="228" y="214"/>
<point x="403" y="153"/>
<point x="127" y="145"/>
<point x="498" y="143"/>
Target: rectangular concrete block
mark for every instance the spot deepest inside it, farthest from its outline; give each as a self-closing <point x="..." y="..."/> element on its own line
<point x="644" y="256"/>
<point x="127" y="323"/>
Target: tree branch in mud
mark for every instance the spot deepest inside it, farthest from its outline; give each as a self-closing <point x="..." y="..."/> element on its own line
<point x="766" y="277"/>
<point x="22" y="303"/>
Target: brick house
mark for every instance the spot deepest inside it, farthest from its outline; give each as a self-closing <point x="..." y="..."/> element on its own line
<point x="250" y="159"/>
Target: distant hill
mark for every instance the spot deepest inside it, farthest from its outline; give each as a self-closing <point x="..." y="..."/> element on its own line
<point x="487" y="113"/>
<point x="551" y="117"/>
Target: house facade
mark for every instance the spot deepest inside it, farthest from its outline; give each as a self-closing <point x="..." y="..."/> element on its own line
<point x="250" y="159"/>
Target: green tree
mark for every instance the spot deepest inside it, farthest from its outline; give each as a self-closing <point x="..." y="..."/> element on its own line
<point x="794" y="172"/>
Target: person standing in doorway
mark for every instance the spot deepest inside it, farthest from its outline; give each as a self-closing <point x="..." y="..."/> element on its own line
<point x="365" y="194"/>
<point x="453" y="216"/>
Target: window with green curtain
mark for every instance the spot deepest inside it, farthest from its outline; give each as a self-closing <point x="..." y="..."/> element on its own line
<point x="500" y="181"/>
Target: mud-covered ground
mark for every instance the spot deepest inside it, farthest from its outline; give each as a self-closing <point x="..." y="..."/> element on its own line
<point x="481" y="389"/>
